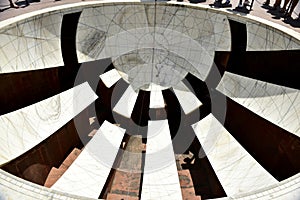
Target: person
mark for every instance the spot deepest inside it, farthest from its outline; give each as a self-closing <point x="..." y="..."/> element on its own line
<point x="288" y="13"/>
<point x="219" y="4"/>
<point x="246" y="3"/>
<point x="12" y="4"/>
<point x="276" y="5"/>
<point x="266" y="3"/>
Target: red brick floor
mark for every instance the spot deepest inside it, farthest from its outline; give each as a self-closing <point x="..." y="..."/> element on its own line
<point x="187" y="186"/>
<point x="127" y="178"/>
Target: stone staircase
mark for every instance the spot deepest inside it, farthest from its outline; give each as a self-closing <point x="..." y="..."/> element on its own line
<point x="187" y="187"/>
<point x="111" y="196"/>
<point x="127" y="178"/>
<point x="56" y="173"/>
<point x="126" y="183"/>
<point x="185" y="179"/>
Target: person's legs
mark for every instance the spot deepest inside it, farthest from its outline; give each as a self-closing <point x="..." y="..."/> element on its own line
<point x="276" y="4"/>
<point x="12" y="4"/>
<point x="267" y="2"/>
<point x="246" y="3"/>
<point x="283" y="9"/>
<point x="294" y="4"/>
<point x="290" y="11"/>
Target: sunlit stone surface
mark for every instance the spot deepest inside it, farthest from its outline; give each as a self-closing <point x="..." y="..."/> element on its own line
<point x="160" y="173"/>
<point x="150" y="45"/>
<point x="236" y="169"/>
<point x="278" y="104"/>
<point x="93" y="164"/>
<point x="27" y="127"/>
<point x="31" y="44"/>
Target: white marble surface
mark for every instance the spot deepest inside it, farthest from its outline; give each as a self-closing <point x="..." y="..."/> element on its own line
<point x="288" y="189"/>
<point x="156" y="97"/>
<point x="237" y="171"/>
<point x="160" y="180"/>
<point x="31" y="44"/>
<point x="12" y="187"/>
<point x="261" y="37"/>
<point x="188" y="100"/>
<point x="27" y="127"/>
<point x="181" y="39"/>
<point x="88" y="173"/>
<point x="126" y="103"/>
<point x="110" y="78"/>
<point x="277" y="104"/>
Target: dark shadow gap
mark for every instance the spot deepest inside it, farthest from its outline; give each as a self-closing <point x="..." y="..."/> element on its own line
<point x="205" y="182"/>
<point x="274" y="148"/>
<point x="277" y="67"/>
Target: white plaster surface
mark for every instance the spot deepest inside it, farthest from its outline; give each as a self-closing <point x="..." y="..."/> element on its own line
<point x="12" y="187"/>
<point x="110" y="78"/>
<point x="88" y="173"/>
<point x="188" y="101"/>
<point x="23" y="129"/>
<point x="156" y="97"/>
<point x="277" y="104"/>
<point x="160" y="180"/>
<point x="288" y="189"/>
<point x="261" y="37"/>
<point x="236" y="169"/>
<point x="126" y="103"/>
<point x="31" y="44"/>
<point x="181" y="39"/>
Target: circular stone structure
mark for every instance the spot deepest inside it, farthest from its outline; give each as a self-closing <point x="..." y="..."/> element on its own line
<point x="136" y="100"/>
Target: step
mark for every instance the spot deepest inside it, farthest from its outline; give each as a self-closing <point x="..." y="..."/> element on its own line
<point x="187" y="186"/>
<point x="53" y="176"/>
<point x="70" y="159"/>
<point x="189" y="194"/>
<point x="128" y="174"/>
<point x="181" y="160"/>
<point x="88" y="174"/>
<point x="92" y="133"/>
<point x="111" y="196"/>
<point x="126" y="183"/>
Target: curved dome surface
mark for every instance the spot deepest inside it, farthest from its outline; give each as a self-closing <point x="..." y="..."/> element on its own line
<point x="142" y="100"/>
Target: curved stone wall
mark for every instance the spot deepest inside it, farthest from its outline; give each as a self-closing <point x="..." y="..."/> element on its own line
<point x="104" y="27"/>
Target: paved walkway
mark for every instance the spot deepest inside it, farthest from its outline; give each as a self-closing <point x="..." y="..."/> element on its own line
<point x="258" y="10"/>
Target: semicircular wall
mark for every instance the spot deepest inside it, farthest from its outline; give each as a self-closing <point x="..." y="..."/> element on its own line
<point x="135" y="36"/>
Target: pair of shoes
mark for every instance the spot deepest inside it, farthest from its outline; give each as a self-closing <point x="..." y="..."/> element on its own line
<point x="216" y="4"/>
<point x="191" y="1"/>
<point x="282" y="10"/>
<point x="275" y="7"/>
<point x="247" y="3"/>
<point x="226" y="4"/>
<point x="287" y="16"/>
<point x="266" y="3"/>
<point x="13" y="5"/>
